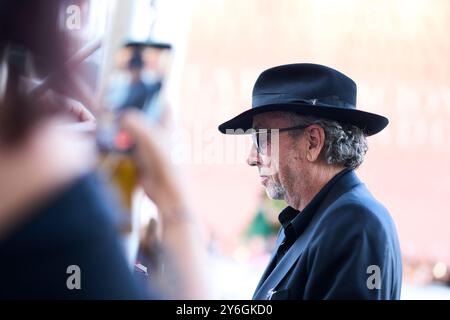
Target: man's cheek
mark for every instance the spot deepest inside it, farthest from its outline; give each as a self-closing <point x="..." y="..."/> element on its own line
<point x="283" y="174"/>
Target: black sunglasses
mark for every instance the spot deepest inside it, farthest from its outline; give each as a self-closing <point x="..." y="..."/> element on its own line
<point x="261" y="137"/>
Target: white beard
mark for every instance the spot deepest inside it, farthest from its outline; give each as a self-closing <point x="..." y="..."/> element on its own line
<point x="275" y="191"/>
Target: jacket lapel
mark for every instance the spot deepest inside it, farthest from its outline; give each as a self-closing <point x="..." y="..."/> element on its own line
<point x="269" y="268"/>
<point x="270" y="280"/>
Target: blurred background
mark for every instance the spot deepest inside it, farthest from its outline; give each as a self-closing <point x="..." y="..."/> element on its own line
<point x="396" y="51"/>
<point x="191" y="64"/>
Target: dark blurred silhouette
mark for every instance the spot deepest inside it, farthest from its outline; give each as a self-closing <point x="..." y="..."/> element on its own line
<point x="56" y="216"/>
<point x="54" y="213"/>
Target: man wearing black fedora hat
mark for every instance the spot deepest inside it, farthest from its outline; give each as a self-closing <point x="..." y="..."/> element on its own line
<point x="336" y="241"/>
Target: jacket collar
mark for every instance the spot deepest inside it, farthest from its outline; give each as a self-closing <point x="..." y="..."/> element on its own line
<point x="273" y="276"/>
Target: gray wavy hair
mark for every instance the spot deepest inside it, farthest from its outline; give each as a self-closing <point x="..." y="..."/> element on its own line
<point x="344" y="145"/>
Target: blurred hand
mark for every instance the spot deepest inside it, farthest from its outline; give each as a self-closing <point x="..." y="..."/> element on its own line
<point x="84" y="119"/>
<point x="81" y="113"/>
<point x="157" y="176"/>
<point x="185" y="275"/>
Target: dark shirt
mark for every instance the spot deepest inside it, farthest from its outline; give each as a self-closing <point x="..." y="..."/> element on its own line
<point x="140" y="93"/>
<point x="75" y="227"/>
<point x="294" y="222"/>
<point x="334" y="244"/>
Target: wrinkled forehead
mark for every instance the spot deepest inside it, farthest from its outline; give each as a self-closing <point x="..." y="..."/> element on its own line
<point x="271" y="120"/>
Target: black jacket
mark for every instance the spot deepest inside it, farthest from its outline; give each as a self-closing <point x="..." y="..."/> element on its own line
<point x="75" y="227"/>
<point x="347" y="250"/>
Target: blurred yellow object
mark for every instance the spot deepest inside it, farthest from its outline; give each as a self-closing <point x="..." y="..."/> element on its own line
<point x="119" y="169"/>
<point x="124" y="177"/>
<point x="121" y="173"/>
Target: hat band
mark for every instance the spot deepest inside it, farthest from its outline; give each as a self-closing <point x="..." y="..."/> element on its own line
<point x="280" y="98"/>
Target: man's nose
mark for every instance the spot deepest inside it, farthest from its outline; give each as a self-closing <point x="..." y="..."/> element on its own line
<point x="253" y="157"/>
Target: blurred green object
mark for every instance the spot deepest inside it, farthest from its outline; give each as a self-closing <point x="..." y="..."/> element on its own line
<point x="277" y="204"/>
<point x="260" y="226"/>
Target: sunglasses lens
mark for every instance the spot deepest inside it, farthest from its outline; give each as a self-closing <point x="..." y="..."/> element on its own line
<point x="260" y="140"/>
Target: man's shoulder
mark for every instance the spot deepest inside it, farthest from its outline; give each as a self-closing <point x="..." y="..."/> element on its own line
<point x="356" y="209"/>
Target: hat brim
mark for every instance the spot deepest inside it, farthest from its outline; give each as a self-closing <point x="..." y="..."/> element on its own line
<point x="370" y="123"/>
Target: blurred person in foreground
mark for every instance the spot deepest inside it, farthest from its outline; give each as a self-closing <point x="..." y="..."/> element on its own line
<point x="142" y="69"/>
<point x="54" y="211"/>
<point x="336" y="241"/>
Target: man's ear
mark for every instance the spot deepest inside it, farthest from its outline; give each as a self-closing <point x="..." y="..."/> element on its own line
<point x="315" y="136"/>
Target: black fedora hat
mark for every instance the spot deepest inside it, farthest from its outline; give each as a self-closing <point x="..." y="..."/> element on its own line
<point x="307" y="89"/>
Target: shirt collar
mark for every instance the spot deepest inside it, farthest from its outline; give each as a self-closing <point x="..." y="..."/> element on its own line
<point x="294" y="222"/>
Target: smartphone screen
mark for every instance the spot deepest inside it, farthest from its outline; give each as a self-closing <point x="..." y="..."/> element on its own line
<point x="141" y="70"/>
